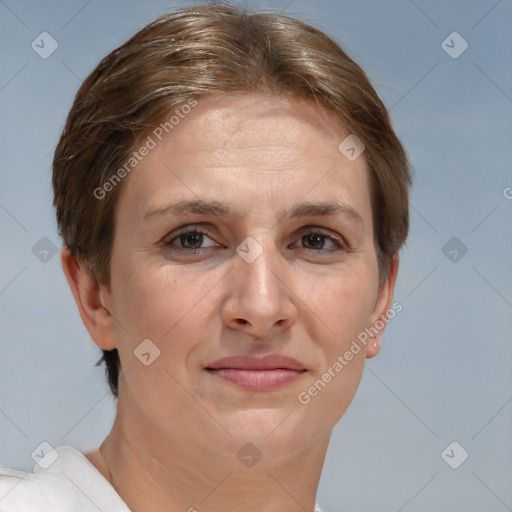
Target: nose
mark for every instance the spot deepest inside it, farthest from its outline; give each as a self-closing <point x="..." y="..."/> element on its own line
<point x="260" y="295"/>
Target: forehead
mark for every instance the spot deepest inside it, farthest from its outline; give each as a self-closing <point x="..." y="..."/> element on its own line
<point x="261" y="126"/>
<point x="243" y="146"/>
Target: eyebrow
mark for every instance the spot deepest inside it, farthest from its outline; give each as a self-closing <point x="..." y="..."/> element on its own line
<point x="307" y="209"/>
<point x="302" y="209"/>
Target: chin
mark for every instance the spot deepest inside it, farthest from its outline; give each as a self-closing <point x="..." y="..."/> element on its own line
<point x="275" y="432"/>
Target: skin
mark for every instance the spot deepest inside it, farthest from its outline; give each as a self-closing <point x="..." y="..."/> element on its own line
<point x="178" y="428"/>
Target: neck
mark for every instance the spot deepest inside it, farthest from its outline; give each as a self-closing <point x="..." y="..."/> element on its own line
<point x="175" y="472"/>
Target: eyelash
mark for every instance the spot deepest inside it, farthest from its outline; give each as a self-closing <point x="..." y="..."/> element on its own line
<point x="339" y="243"/>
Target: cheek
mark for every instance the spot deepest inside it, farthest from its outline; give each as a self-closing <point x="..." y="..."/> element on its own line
<point x="173" y="311"/>
<point x="341" y="311"/>
<point x="166" y="305"/>
<point x="342" y="302"/>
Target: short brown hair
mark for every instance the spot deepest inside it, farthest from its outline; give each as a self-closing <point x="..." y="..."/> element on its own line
<point x="213" y="48"/>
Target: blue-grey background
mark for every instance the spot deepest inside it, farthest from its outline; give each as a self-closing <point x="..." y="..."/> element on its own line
<point x="445" y="370"/>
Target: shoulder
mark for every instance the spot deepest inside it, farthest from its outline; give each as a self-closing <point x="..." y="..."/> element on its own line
<point x="45" y="489"/>
<point x="63" y="480"/>
<point x="23" y="490"/>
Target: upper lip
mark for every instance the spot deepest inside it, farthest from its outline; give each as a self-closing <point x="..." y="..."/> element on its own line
<point x="267" y="362"/>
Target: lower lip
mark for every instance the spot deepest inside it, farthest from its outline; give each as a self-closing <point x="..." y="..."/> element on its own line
<point x="258" y="380"/>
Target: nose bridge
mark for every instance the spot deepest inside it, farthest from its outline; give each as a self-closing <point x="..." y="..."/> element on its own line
<point x="257" y="264"/>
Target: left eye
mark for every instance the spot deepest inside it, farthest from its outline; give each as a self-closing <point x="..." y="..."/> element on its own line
<point x="316" y="241"/>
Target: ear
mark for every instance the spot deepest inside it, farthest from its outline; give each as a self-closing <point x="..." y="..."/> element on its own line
<point x="93" y="300"/>
<point x="380" y="313"/>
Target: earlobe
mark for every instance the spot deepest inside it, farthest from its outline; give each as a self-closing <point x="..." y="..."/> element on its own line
<point x="92" y="299"/>
<point x="380" y="314"/>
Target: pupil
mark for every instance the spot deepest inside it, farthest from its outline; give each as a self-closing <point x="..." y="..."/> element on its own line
<point x="192" y="239"/>
<point x="316" y="241"/>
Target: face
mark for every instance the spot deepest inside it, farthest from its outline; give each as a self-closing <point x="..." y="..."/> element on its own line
<point x="244" y="234"/>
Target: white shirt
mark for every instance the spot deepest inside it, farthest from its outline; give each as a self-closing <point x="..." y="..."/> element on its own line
<point x="70" y="483"/>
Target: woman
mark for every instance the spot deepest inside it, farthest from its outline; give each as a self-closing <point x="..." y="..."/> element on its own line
<point x="232" y="199"/>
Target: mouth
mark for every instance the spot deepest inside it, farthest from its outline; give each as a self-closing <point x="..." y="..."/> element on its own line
<point x="257" y="373"/>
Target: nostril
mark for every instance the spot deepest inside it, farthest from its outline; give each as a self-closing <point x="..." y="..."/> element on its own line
<point x="242" y="321"/>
